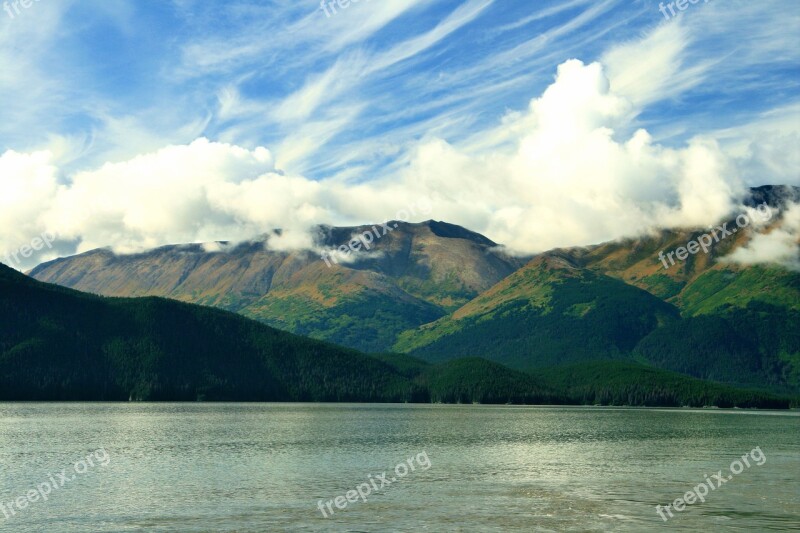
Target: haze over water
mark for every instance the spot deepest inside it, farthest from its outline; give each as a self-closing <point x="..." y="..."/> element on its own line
<point x="265" y="467"/>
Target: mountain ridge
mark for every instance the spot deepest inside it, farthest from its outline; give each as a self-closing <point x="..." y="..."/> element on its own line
<point x="57" y="344"/>
<point x="421" y="272"/>
<point x="443" y="292"/>
<point x="726" y="322"/>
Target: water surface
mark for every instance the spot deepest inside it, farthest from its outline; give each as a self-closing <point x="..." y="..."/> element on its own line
<point x="265" y="467"/>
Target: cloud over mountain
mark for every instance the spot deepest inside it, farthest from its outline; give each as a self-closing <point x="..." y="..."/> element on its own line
<point x="613" y="145"/>
<point x="573" y="177"/>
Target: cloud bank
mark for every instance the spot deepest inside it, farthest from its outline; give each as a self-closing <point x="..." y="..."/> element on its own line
<point x="574" y="170"/>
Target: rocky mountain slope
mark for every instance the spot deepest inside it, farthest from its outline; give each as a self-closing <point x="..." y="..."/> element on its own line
<point x="412" y="275"/>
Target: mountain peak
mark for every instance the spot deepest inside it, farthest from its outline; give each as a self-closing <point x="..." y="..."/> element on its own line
<point x="334" y="236"/>
<point x="777" y="196"/>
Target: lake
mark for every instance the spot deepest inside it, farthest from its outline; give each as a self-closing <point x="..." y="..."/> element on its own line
<point x="311" y="467"/>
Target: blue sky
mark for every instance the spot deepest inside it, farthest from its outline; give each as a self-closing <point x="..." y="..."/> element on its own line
<point x="384" y="102"/>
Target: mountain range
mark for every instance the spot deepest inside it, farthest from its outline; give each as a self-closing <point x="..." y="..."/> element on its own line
<point x="441" y="293"/>
<point x="58" y="344"/>
<point x="418" y="273"/>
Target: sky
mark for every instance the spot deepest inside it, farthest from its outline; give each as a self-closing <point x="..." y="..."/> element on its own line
<point x="540" y="124"/>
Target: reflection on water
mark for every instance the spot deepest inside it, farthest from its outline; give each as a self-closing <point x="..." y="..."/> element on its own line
<point x="265" y="467"/>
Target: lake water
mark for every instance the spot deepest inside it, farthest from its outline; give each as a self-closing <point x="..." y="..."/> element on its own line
<point x="266" y="467"/>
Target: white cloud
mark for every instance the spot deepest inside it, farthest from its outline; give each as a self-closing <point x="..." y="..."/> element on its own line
<point x="643" y="82"/>
<point x="767" y="148"/>
<point x="780" y="245"/>
<point x="28" y="184"/>
<point x="158" y="198"/>
<point x="572" y="177"/>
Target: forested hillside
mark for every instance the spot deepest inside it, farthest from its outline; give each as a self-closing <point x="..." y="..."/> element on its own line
<point x="57" y="344"/>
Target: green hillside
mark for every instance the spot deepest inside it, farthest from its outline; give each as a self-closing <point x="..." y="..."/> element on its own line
<point x="755" y="346"/>
<point x="552" y="312"/>
<point x="547" y="313"/>
<point x="57" y="344"/>
<point x="368" y="319"/>
<point x="705" y="282"/>
<point x="479" y="380"/>
<point x="705" y="317"/>
<point x="722" y="288"/>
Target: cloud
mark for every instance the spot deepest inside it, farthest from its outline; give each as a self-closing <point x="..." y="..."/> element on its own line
<point x="172" y="195"/>
<point x="780" y="245"/>
<point x="28" y="184"/>
<point x="573" y="177"/>
<point x="661" y="76"/>
<point x="766" y="148"/>
<point x="569" y="175"/>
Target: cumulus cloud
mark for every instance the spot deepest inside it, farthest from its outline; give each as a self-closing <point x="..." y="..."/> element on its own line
<point x="574" y="177"/>
<point x="171" y="195"/>
<point x="28" y="186"/>
<point x="767" y="147"/>
<point x="576" y="171"/>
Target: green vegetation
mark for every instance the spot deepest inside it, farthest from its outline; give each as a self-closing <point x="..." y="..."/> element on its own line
<point x="367" y="322"/>
<point x="553" y="313"/>
<point x="57" y="344"/>
<point x="755" y="346"/>
<point x="716" y="289"/>
<point x="473" y="380"/>
<point x="589" y="383"/>
<point x="449" y="293"/>
<point x="626" y="383"/>
<point x="478" y="380"/>
<point x="586" y="316"/>
<point x="661" y="285"/>
<point x="61" y="345"/>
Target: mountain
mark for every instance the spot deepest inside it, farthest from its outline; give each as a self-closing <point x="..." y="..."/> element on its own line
<point x="547" y="313"/>
<point x="58" y="344"/>
<point x="701" y="284"/>
<point x="708" y="319"/>
<point x="741" y="324"/>
<point x="756" y="346"/>
<point x="441" y="292"/>
<point x="411" y="275"/>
